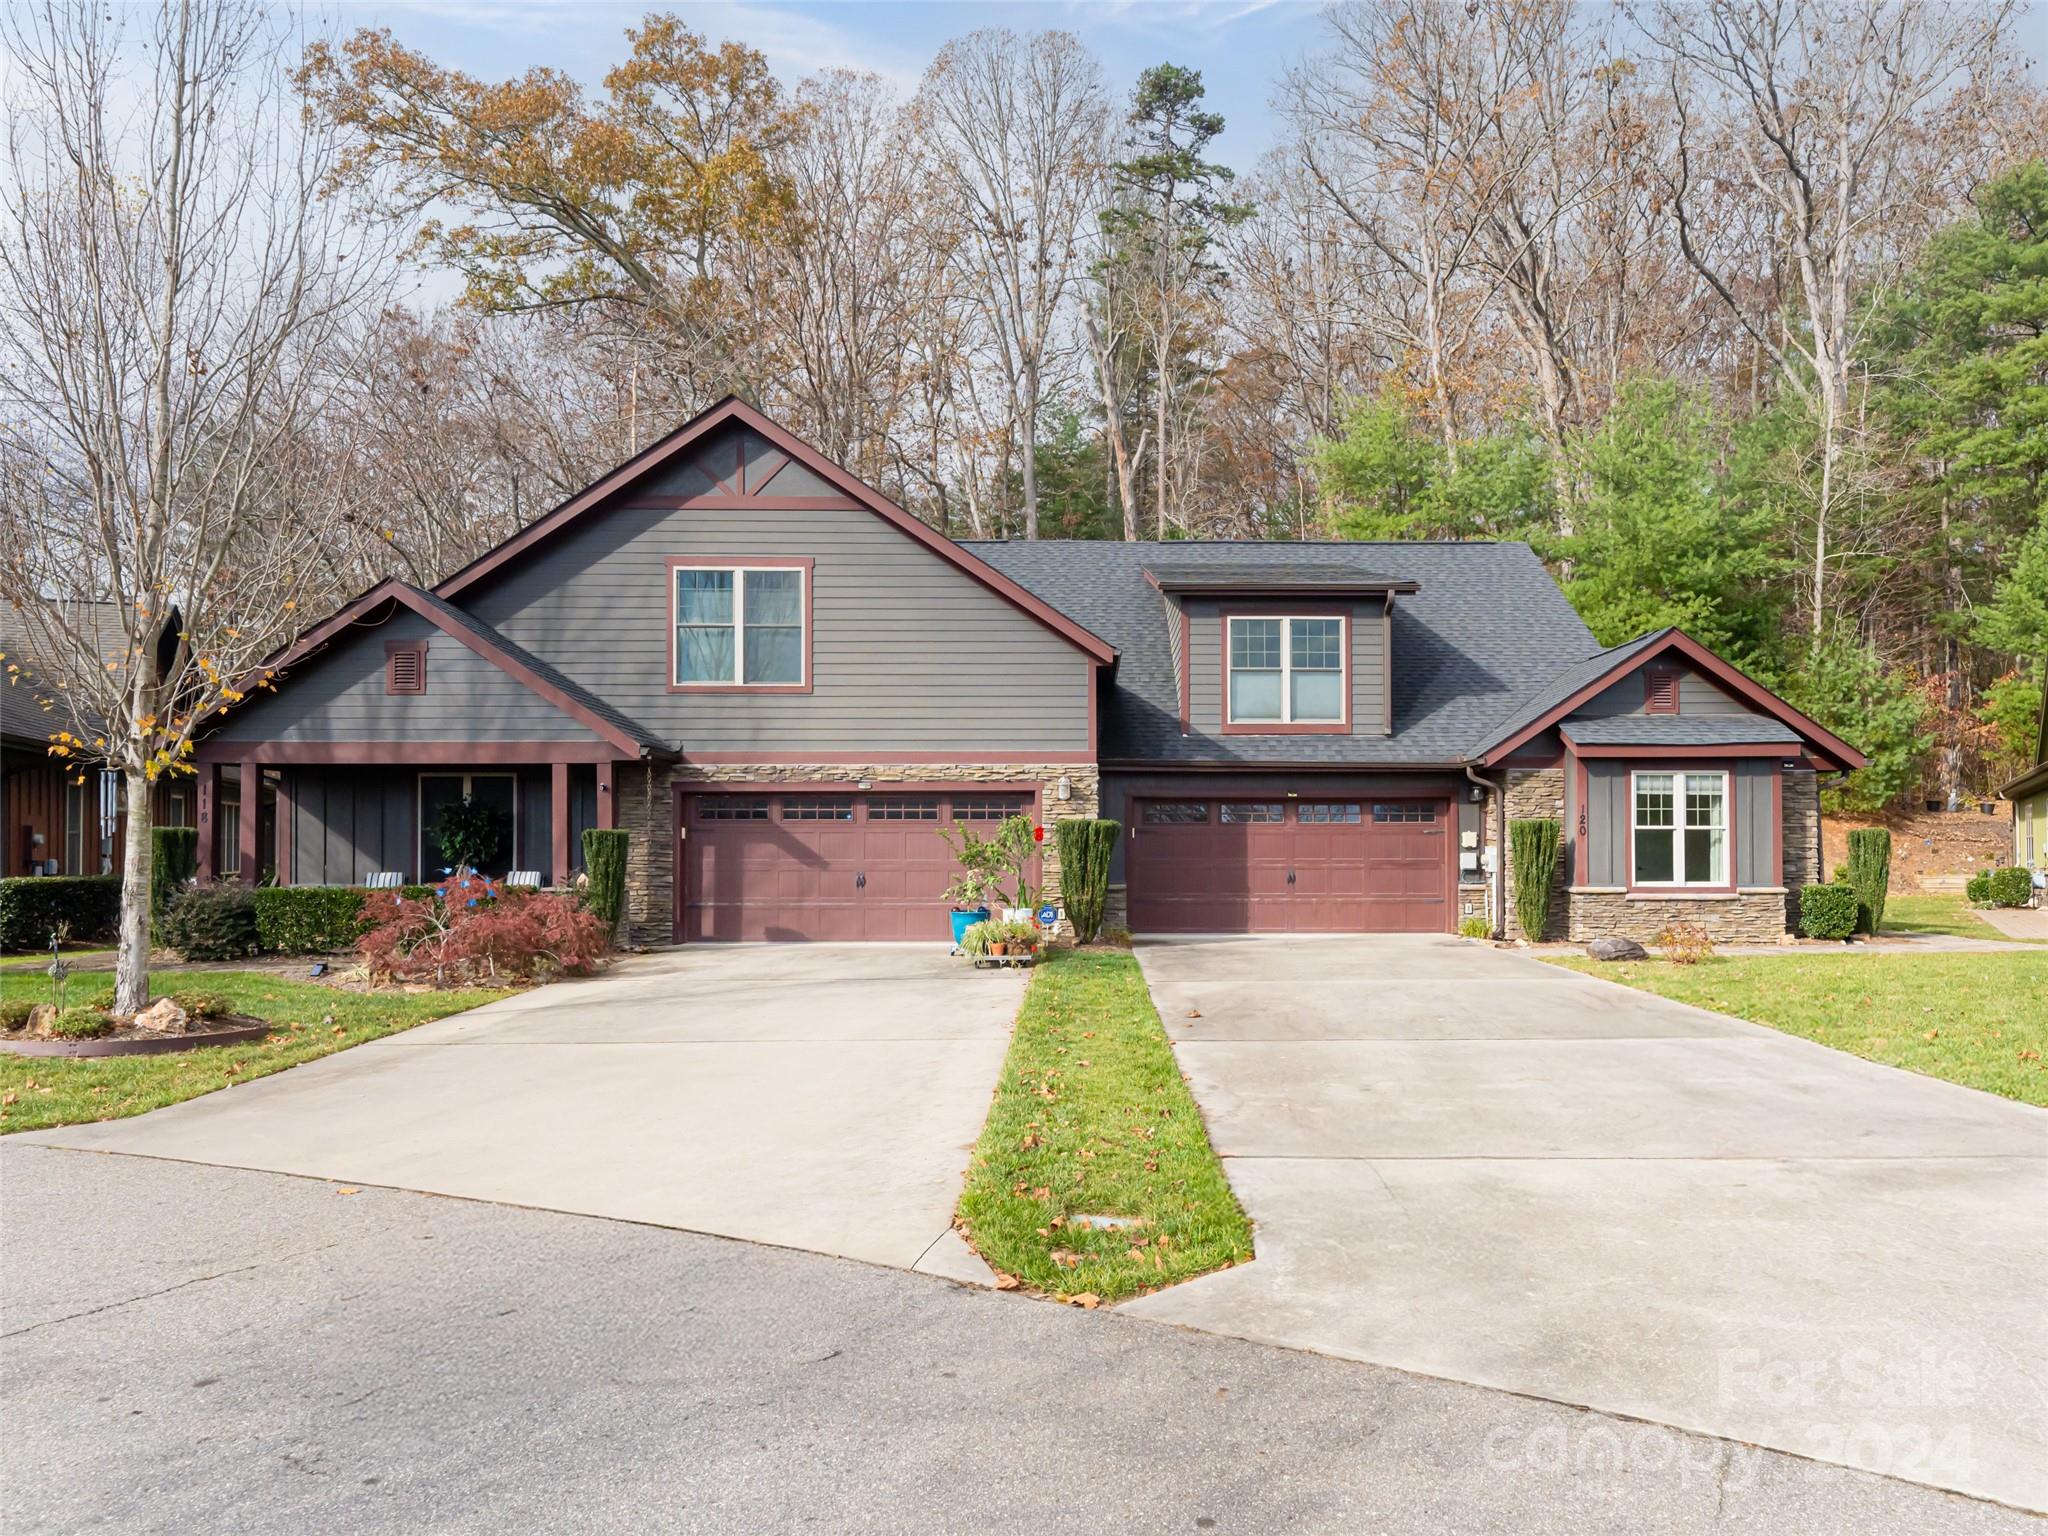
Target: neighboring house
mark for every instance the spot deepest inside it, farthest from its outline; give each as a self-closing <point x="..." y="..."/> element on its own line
<point x="784" y="685"/>
<point x="62" y="816"/>
<point x="2029" y="796"/>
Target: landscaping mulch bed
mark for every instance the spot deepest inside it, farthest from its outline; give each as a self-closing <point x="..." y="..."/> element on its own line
<point x="228" y="1029"/>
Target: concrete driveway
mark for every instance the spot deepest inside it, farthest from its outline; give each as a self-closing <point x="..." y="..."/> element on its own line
<point x="820" y="1097"/>
<point x="1467" y="1163"/>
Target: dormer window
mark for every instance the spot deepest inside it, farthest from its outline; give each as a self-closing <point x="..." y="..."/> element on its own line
<point x="405" y="666"/>
<point x="1287" y="670"/>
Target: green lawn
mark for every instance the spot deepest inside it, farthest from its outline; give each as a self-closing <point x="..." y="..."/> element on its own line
<point x="1976" y="1019"/>
<point x="1091" y="1117"/>
<point x="1941" y="912"/>
<point x="37" y="1092"/>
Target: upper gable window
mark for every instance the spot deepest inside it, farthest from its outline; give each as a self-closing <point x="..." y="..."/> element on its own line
<point x="740" y="626"/>
<point x="1287" y="671"/>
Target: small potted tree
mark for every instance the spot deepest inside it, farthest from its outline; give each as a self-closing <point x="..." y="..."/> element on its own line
<point x="991" y="869"/>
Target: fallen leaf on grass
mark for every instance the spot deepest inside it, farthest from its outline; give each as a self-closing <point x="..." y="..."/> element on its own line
<point x="1086" y="1299"/>
<point x="1066" y="1258"/>
<point x="1006" y="1282"/>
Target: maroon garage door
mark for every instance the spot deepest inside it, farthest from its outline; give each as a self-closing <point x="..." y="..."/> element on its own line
<point x="1290" y="866"/>
<point x="818" y="865"/>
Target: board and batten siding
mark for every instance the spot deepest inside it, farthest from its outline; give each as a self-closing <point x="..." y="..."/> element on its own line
<point x="1205" y="662"/>
<point x="909" y="653"/>
<point x="348" y="823"/>
<point x="1752" y="838"/>
<point x="338" y="694"/>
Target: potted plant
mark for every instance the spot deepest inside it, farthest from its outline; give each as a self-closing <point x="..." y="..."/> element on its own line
<point x="991" y="869"/>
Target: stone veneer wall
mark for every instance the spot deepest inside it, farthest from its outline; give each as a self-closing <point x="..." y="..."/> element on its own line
<point x="1748" y="917"/>
<point x="645" y="799"/>
<point x="1534" y="793"/>
<point x="1801" y="794"/>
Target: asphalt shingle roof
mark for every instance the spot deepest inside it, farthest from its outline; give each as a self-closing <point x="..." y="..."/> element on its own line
<point x="1487" y="627"/>
<point x="1681" y="731"/>
<point x="1561" y="685"/>
<point x="1254" y="571"/>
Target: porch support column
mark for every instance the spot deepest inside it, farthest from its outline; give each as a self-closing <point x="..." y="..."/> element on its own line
<point x="607" y="809"/>
<point x="209" y="806"/>
<point x="558" y="823"/>
<point x="284" y="827"/>
<point x="252" y="810"/>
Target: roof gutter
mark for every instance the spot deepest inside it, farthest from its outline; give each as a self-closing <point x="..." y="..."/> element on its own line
<point x="1496" y="881"/>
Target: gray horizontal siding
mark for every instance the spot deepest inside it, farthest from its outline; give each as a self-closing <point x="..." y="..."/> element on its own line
<point x="908" y="652"/>
<point x="1205" y="682"/>
<point x="1696" y="696"/>
<point x="338" y="695"/>
<point x="1608" y="812"/>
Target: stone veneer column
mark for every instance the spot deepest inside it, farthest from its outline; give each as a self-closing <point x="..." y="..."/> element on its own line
<point x="1801" y="794"/>
<point x="650" y="867"/>
<point x="1534" y="794"/>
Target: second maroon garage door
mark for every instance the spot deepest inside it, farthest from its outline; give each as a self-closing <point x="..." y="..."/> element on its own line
<point x="1289" y="866"/>
<point x="806" y="865"/>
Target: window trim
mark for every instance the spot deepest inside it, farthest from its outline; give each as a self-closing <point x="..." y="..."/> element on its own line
<point x="393" y="649"/>
<point x="1679" y="773"/>
<point x="1341" y="726"/>
<point x="737" y="564"/>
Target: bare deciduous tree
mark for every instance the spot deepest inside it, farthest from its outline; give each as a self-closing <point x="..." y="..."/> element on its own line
<point x="172" y="293"/>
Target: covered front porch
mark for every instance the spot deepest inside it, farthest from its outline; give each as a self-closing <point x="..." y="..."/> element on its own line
<point x="341" y="813"/>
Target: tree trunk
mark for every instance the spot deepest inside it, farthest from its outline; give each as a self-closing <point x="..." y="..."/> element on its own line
<point x="131" y="967"/>
<point x="1030" y="465"/>
<point x="1113" y="429"/>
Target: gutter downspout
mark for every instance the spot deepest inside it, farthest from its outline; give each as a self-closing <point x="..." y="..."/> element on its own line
<point x="1496" y="882"/>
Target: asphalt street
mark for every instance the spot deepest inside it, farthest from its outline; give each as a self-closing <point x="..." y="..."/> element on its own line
<point x="197" y="1349"/>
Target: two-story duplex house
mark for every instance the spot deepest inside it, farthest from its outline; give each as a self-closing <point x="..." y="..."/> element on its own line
<point x="784" y="685"/>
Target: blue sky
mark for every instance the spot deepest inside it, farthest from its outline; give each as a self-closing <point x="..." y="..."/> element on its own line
<point x="1240" y="46"/>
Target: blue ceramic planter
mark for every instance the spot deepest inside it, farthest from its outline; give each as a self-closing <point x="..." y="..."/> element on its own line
<point x="962" y="921"/>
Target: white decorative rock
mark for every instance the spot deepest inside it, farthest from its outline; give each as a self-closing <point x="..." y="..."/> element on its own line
<point x="162" y="1017"/>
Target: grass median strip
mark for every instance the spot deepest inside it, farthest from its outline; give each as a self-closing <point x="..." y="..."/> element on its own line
<point x="39" y="1092"/>
<point x="1980" y="1020"/>
<point x="1091" y="1118"/>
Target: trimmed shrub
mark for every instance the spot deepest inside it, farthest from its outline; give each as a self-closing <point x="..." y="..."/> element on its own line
<point x="1828" y="911"/>
<point x="87" y="906"/>
<point x="213" y="922"/>
<point x="1534" y="844"/>
<point x="173" y="861"/>
<point x="1870" y="872"/>
<point x="81" y="1023"/>
<point x="309" y="919"/>
<point x="1085" y="849"/>
<point x="14" y="1012"/>
<point x="604" y="870"/>
<point x="202" y="1005"/>
<point x="2010" y="888"/>
<point x="1474" y="928"/>
<point x="1977" y="889"/>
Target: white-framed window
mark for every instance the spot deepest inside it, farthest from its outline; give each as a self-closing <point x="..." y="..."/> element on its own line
<point x="1681" y="829"/>
<point x="739" y="626"/>
<point x="1287" y="671"/>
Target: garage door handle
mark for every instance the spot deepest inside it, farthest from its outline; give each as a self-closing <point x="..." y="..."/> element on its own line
<point x="860" y="881"/>
<point x="1290" y="877"/>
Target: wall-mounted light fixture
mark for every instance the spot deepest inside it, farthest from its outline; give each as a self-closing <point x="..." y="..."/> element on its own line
<point x="1065" y="788"/>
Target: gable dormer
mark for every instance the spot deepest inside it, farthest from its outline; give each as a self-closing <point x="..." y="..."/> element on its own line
<point x="1270" y="647"/>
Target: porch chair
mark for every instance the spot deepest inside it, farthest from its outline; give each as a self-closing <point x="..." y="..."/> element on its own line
<point x="384" y="879"/>
<point x="528" y="878"/>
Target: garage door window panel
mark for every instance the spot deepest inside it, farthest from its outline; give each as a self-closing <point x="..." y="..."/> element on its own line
<point x="1287" y="672"/>
<point x="1173" y="813"/>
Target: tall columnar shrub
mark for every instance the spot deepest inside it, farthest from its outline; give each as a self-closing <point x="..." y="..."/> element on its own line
<point x="1085" y="850"/>
<point x="604" y="865"/>
<point x="1870" y="872"/>
<point x="173" y="861"/>
<point x="1534" y="844"/>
